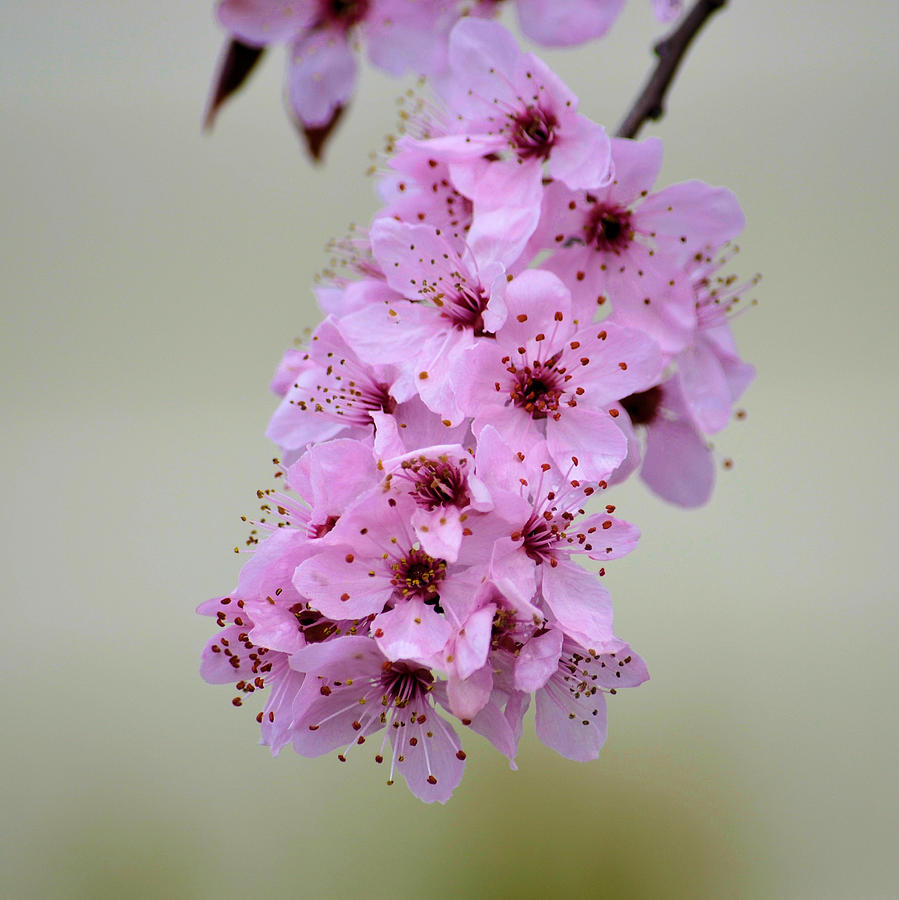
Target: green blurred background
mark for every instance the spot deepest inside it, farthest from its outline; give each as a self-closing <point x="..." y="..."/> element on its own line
<point x="152" y="277"/>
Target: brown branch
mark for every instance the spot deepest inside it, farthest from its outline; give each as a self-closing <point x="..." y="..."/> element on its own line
<point x="650" y="104"/>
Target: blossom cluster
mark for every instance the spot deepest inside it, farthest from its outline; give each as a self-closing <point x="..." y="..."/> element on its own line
<point x="527" y="322"/>
<point x="400" y="36"/>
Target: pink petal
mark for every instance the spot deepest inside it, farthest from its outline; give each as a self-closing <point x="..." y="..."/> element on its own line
<point x="612" y="539"/>
<point x="274" y="626"/>
<point x="439" y="531"/>
<point x="327" y="722"/>
<point x="340" y="586"/>
<point x="472" y="642"/>
<point x="637" y="165"/>
<point x="537" y="661"/>
<point x="437" y="757"/>
<point x="411" y="630"/>
<point x="388" y="332"/>
<point x="261" y="22"/>
<point x="565" y="23"/>
<point x="568" y="726"/>
<point x="620" y="669"/>
<point x="493" y="723"/>
<point x="321" y="75"/>
<point x="705" y="387"/>
<point x="580" y="605"/>
<point x="480" y="55"/>
<point x="409" y="35"/>
<point x="693" y="210"/>
<point x="620" y="362"/>
<point x="332" y="474"/>
<point x="585" y="443"/>
<point x="351" y="656"/>
<point x="538" y="301"/>
<point x="225" y="659"/>
<point x="514" y="574"/>
<point x="468" y="696"/>
<point x="582" y="157"/>
<point x="677" y="464"/>
<point x="269" y="571"/>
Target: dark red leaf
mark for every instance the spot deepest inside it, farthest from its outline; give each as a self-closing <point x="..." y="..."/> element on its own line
<point x="236" y="63"/>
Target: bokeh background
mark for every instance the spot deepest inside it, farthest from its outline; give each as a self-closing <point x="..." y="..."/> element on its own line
<point x="152" y="276"/>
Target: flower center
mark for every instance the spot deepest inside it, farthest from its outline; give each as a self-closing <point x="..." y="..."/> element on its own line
<point x="540" y="537"/>
<point x="609" y="228"/>
<point x="401" y="683"/>
<point x="536" y="390"/>
<point x="418" y="575"/>
<point x="315" y="627"/>
<point x="466" y="309"/>
<point x="322" y="528"/>
<point x="437" y="483"/>
<point x="533" y="133"/>
<point x="345" y="12"/>
<point x="643" y="407"/>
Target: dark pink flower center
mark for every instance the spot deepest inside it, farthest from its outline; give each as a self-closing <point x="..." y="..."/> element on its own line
<point x="609" y="228"/>
<point x="322" y="528"/>
<point x="533" y="133"/>
<point x="315" y="627"/>
<point x="344" y="13"/>
<point x="466" y="309"/>
<point x="417" y="575"/>
<point x="402" y="684"/>
<point x="437" y="483"/>
<point x="541" y="536"/>
<point x="509" y="634"/>
<point x="643" y="406"/>
<point x="536" y="388"/>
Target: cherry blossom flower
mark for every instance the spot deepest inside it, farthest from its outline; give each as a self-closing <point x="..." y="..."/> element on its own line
<point x="335" y="393"/>
<point x="320" y="35"/>
<point x="697" y="399"/>
<point x="511" y="117"/>
<point x="571" y="705"/>
<point x="361" y="692"/>
<point x="568" y="23"/>
<point x="627" y="245"/>
<point x="546" y="380"/>
<point x="523" y="325"/>
<point x="452" y="300"/>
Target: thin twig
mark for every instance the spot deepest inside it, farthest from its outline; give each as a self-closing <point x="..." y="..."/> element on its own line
<point x="650" y="104"/>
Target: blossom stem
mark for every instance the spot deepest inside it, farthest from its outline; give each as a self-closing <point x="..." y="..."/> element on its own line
<point x="650" y="104"/>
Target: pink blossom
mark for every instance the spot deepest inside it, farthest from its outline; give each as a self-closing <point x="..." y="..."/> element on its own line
<point x="375" y="566"/>
<point x="451" y="430"/>
<point x="418" y="188"/>
<point x="544" y="380"/>
<point x="362" y="692"/>
<point x="567" y="23"/>
<point x="625" y="244"/>
<point x="335" y="394"/>
<point x="697" y="399"/>
<point x="446" y="491"/>
<point x="531" y="559"/>
<point x="401" y="35"/>
<point x="712" y="375"/>
<point x="452" y="299"/>
<point x="511" y="115"/>
<point x="571" y="706"/>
